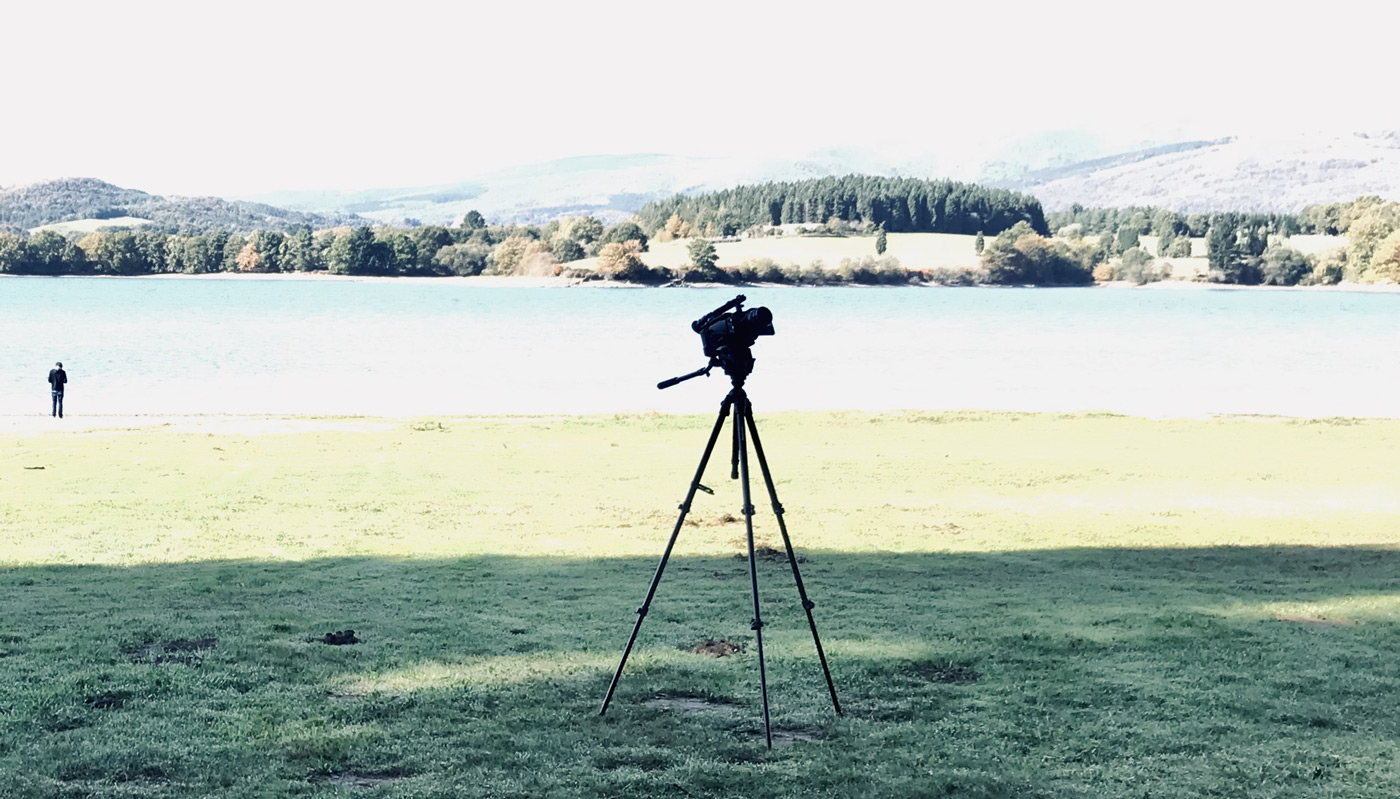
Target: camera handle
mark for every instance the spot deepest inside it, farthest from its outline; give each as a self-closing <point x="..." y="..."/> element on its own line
<point x="705" y="370"/>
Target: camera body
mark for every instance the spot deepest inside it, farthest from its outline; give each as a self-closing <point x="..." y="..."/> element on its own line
<point x="727" y="333"/>
<point x="722" y="332"/>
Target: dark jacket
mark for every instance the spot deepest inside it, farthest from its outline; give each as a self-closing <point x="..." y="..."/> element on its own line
<point x="57" y="377"/>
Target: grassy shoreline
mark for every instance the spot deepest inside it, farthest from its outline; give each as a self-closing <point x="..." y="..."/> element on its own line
<point x="1013" y="604"/>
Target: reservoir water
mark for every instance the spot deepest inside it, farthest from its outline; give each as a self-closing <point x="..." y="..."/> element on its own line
<point x="422" y="347"/>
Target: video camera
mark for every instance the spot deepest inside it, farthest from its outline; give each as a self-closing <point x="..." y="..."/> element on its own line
<point x="727" y="333"/>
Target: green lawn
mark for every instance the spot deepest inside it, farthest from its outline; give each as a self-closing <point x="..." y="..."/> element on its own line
<point x="1013" y="606"/>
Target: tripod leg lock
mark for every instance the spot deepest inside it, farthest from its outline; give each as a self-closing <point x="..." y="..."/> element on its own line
<point x="756" y="624"/>
<point x="748" y="510"/>
<point x="642" y="611"/>
<point x="808" y="604"/>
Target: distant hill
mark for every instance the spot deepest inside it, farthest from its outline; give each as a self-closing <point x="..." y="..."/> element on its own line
<point x="1280" y="173"/>
<point x="93" y="202"/>
<point x="609" y="187"/>
<point x="1277" y="173"/>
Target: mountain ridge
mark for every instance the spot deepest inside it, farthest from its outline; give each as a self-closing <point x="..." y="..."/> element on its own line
<point x="60" y="200"/>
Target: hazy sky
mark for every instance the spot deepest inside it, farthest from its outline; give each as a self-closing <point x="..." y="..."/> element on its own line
<point x="249" y="96"/>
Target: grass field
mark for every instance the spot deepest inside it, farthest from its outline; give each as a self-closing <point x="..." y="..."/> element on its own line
<point x="914" y="251"/>
<point x="1013" y="606"/>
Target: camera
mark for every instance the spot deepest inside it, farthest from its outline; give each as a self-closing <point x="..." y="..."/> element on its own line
<point x="722" y="330"/>
<point x="727" y="333"/>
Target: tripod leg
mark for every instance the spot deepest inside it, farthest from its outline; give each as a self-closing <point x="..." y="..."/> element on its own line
<point x="740" y="413"/>
<point x="807" y="604"/>
<point x="665" y="556"/>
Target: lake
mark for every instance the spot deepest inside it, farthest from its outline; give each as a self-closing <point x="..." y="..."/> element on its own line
<point x="416" y="347"/>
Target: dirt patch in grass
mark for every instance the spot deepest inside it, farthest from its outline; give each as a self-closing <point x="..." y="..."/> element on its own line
<point x="714" y="647"/>
<point x="184" y="651"/>
<point x="689" y="704"/>
<point x="944" y="672"/>
<point x="355" y="779"/>
<point x="107" y="700"/>
<point x="1315" y="620"/>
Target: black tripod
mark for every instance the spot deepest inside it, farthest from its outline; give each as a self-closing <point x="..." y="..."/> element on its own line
<point x="737" y="364"/>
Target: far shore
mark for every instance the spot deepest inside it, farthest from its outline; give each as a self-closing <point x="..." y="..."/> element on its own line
<point x="533" y="282"/>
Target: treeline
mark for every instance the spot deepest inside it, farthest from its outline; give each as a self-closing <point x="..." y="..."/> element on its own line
<point x="1249" y="248"/>
<point x="894" y="204"/>
<point x="471" y="248"/>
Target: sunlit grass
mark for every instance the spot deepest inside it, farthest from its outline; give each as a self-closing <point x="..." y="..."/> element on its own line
<point x="1013" y="605"/>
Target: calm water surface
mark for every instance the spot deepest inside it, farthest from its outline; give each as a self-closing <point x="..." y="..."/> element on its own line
<point x="250" y="345"/>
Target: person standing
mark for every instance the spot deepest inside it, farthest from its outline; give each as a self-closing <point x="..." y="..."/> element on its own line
<point x="57" y="380"/>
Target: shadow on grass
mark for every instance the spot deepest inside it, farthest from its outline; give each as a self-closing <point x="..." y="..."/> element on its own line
<point x="1041" y="673"/>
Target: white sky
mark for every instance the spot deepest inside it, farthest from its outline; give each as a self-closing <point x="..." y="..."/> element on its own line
<point x="248" y="96"/>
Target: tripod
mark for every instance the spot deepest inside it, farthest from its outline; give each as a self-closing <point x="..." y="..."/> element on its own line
<point x="736" y="401"/>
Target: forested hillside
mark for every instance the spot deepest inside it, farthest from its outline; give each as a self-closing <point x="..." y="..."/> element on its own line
<point x="26" y="207"/>
<point x="902" y="205"/>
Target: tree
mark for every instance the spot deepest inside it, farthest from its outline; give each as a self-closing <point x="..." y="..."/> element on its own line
<point x="625" y="231"/>
<point x="1180" y="247"/>
<point x="14" y="255"/>
<point x="302" y="254"/>
<point x="473" y="220"/>
<point x="881" y="243"/>
<point x="622" y="260"/>
<point x="703" y="256"/>
<point x="1283" y="266"/>
<point x="1367" y="230"/>
<point x="1385" y="260"/>
<point x="50" y="253"/>
<point x="1128" y="236"/>
<point x="566" y="249"/>
<point x="1021" y="256"/>
<point x="980" y="244"/>
<point x="249" y="259"/>
<point x="585" y="230"/>
<point x="1166" y="224"/>
<point x="356" y="252"/>
<point x="464" y="260"/>
<point x="510" y="254"/>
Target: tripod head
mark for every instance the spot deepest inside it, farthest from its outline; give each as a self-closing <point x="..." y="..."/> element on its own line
<point x="727" y="333"/>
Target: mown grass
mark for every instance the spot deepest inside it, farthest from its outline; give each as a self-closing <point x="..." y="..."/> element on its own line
<point x="1013" y="605"/>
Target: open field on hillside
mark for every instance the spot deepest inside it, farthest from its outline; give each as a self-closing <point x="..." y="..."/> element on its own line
<point x="914" y="250"/>
<point x="89" y="225"/>
<point x="1014" y="605"/>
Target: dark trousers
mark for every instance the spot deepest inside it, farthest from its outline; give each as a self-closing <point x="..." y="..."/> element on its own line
<point x="58" y="404"/>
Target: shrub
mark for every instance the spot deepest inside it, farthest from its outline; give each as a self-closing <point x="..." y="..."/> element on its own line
<point x="623" y="261"/>
<point x="1179" y="248"/>
<point x="951" y="276"/>
<point x="1328" y="268"/>
<point x="869" y="271"/>
<point x="462" y="260"/>
<point x="1283" y="266"/>
<point x="1139" y="268"/>
<point x="1020" y="256"/>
